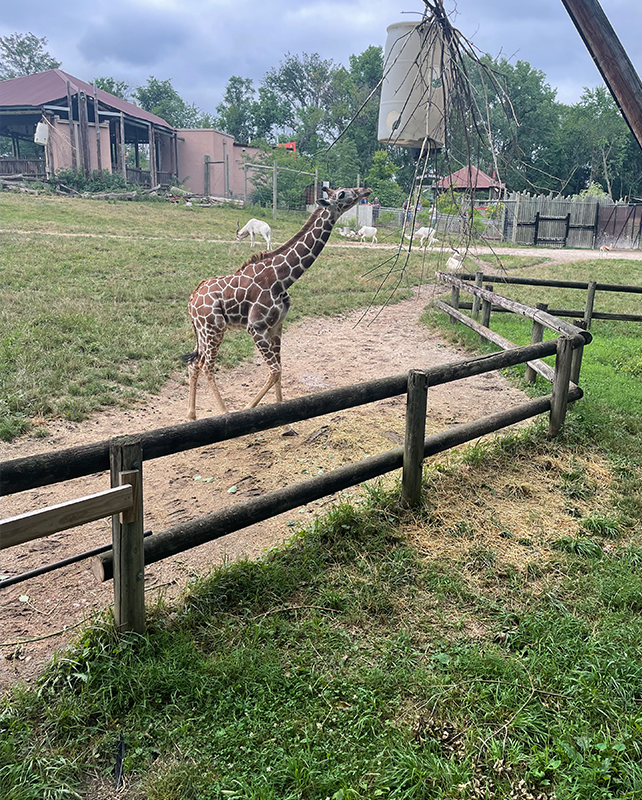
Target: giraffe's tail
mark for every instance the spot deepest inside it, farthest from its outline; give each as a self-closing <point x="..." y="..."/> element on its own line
<point x="190" y="358"/>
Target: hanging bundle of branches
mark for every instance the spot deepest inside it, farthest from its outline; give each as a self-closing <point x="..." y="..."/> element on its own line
<point x="446" y="86"/>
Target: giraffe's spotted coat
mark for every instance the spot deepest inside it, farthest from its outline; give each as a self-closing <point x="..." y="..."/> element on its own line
<point x="255" y="298"/>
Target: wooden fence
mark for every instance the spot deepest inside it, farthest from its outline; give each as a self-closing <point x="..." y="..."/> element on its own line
<point x="582" y="222"/>
<point x="124" y="457"/>
<point x="587" y="314"/>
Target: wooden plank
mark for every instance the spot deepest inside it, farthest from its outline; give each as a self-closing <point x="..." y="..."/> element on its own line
<point x="413" y="456"/>
<point x="561" y="385"/>
<point x="538" y="366"/>
<point x="537" y="335"/>
<point x="36" y="524"/>
<point x="548" y="320"/>
<point x="611" y="59"/>
<point x="602" y="287"/>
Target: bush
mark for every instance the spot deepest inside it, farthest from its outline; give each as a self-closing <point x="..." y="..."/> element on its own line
<point x="96" y="181"/>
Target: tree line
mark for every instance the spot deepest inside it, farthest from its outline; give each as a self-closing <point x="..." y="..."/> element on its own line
<point x="516" y="126"/>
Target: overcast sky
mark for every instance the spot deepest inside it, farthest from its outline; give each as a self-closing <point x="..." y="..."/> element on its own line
<point x="199" y="44"/>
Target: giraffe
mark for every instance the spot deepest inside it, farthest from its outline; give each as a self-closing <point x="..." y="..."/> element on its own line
<point x="255" y="298"/>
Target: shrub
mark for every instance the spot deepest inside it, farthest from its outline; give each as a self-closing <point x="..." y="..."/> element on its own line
<point x="96" y="181"/>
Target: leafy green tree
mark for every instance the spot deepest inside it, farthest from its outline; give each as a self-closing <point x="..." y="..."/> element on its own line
<point x="111" y="85"/>
<point x="356" y="108"/>
<point x="161" y="98"/>
<point x="24" y="54"/>
<point x="304" y="87"/>
<point x="235" y="113"/>
<point x="381" y="179"/>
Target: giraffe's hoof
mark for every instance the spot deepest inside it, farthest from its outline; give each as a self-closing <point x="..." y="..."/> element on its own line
<point x="191" y="417"/>
<point x="289" y="432"/>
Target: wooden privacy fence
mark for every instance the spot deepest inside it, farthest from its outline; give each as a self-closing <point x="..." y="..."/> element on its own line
<point x="124" y="457"/>
<point x="584" y="222"/>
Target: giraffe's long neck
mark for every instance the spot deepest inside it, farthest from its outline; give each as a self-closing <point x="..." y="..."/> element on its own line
<point x="306" y="246"/>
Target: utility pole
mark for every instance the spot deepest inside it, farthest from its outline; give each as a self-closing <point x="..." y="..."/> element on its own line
<point x="610" y="58"/>
<point x="274" y="191"/>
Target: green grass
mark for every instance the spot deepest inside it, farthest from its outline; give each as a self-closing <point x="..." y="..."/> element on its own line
<point x="90" y="322"/>
<point x="611" y="365"/>
<point x="341" y="666"/>
<point x="350" y="665"/>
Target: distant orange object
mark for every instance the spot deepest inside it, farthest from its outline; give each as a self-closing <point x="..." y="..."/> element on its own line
<point x="291" y="146"/>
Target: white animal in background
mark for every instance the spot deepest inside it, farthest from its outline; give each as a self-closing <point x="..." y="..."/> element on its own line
<point x="605" y="248"/>
<point x="454" y="262"/>
<point x="423" y="234"/>
<point x="254" y="228"/>
<point x="367" y="230"/>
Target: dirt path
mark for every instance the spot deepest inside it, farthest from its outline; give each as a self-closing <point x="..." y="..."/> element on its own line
<point x="317" y="354"/>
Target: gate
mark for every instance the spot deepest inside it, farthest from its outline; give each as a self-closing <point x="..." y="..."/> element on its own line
<point x="620" y="226"/>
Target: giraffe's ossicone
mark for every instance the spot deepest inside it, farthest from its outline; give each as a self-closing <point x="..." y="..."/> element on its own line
<point x="255" y="298"/>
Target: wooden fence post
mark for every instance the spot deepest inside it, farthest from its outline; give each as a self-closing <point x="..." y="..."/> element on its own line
<point x="126" y="465"/>
<point x="537" y="335"/>
<point x="486" y="306"/>
<point x="590" y="302"/>
<point x="479" y="280"/>
<point x="576" y="362"/>
<point x="206" y="174"/>
<point x="559" y="394"/>
<point x="413" y="454"/>
<point x="454" y="302"/>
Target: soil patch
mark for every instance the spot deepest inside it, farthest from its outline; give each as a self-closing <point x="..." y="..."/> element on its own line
<point x="317" y="354"/>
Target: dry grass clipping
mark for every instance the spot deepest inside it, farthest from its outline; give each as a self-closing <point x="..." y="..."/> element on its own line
<point x="510" y="508"/>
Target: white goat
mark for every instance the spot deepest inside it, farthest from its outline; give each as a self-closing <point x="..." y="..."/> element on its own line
<point x="367" y="230"/>
<point x="254" y="228"/>
<point x="425" y="233"/>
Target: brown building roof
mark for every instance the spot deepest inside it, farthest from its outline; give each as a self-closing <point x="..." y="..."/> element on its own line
<point x="51" y="87"/>
<point x="469" y="178"/>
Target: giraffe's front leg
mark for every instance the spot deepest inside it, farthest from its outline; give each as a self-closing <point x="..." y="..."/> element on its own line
<point x="268" y="342"/>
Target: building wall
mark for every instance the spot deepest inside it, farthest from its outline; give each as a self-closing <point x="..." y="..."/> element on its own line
<point x="61" y="146"/>
<point x="194" y="144"/>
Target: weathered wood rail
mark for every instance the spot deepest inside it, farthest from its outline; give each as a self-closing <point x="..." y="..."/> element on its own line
<point x="124" y="457"/>
<point x="588" y="313"/>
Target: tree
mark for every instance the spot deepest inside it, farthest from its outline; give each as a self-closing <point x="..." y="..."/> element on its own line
<point x="111" y="85"/>
<point x="352" y="111"/>
<point x="162" y="99"/>
<point x="24" y="54"/>
<point x="235" y="113"/>
<point x="381" y="179"/>
<point x="303" y="85"/>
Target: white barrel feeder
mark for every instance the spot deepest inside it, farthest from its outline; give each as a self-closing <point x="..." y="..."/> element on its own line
<point x="414" y="87"/>
<point x="41" y="135"/>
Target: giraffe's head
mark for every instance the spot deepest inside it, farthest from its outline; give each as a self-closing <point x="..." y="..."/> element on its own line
<point x="338" y="201"/>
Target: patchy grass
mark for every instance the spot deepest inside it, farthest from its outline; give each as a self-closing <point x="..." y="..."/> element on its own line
<point x="369" y="658"/>
<point x="91" y="322"/>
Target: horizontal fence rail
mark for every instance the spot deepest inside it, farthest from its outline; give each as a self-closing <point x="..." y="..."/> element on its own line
<point x="220" y="523"/>
<point x="543" y="317"/>
<point x="31" y="472"/>
<point x="602" y="287"/>
<point x="36" y="524"/>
